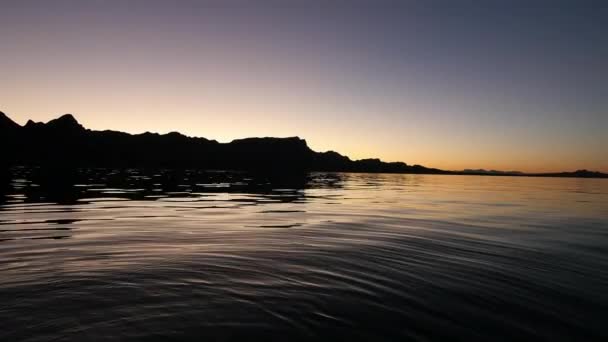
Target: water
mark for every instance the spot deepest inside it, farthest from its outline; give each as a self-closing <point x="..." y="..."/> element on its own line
<point x="104" y="255"/>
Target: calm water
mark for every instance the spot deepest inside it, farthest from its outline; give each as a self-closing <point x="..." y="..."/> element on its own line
<point x="100" y="255"/>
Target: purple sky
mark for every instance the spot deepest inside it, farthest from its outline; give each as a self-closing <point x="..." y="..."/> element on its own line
<point x="455" y="84"/>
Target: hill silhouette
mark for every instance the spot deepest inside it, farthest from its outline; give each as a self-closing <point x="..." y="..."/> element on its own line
<point x="65" y="142"/>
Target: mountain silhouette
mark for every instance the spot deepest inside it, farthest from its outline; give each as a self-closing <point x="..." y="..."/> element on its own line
<point x="65" y="142"/>
<point x="6" y="124"/>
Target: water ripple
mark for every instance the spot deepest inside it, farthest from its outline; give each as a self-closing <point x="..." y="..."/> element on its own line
<point x="128" y="255"/>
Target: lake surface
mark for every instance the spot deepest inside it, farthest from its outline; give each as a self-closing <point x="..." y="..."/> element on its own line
<point x="105" y="255"/>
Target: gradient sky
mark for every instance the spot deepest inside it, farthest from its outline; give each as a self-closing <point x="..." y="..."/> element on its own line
<point x="517" y="85"/>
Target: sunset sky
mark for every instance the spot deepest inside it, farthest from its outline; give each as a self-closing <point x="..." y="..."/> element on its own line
<point x="511" y="85"/>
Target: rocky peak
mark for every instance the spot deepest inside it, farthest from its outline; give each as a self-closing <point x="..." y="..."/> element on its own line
<point x="66" y="122"/>
<point x="7" y="123"/>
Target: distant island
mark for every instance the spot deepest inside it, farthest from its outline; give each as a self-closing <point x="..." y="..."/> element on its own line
<point x="65" y="142"/>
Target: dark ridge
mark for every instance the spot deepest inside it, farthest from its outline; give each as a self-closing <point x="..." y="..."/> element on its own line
<point x="491" y="172"/>
<point x="6" y="124"/>
<point x="65" y="142"/>
<point x="577" y="173"/>
<point x="574" y="174"/>
<point x="65" y="122"/>
<point x="9" y="136"/>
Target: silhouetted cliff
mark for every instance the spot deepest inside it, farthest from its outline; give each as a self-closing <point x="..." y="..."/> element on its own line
<point x="7" y="125"/>
<point x="63" y="141"/>
<point x="9" y="139"/>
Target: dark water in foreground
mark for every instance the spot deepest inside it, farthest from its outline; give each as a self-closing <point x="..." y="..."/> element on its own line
<point x="104" y="255"/>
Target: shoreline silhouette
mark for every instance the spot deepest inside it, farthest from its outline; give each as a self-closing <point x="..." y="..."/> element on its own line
<point x="65" y="142"/>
